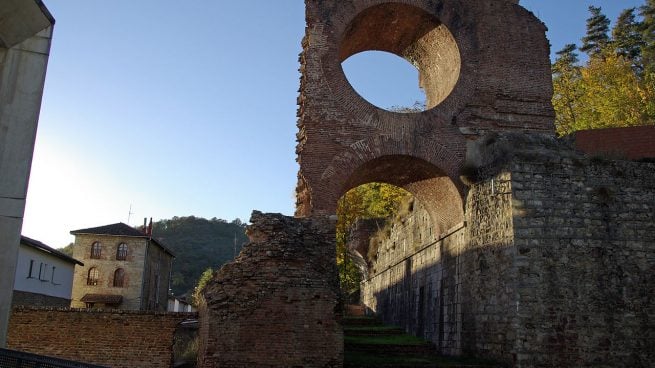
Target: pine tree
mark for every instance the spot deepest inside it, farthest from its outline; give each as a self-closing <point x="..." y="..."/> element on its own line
<point x="597" y="32"/>
<point x="647" y="11"/>
<point x="627" y="38"/>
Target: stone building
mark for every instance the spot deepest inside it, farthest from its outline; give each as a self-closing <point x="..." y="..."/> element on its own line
<point x="44" y="276"/>
<point x="124" y="269"/>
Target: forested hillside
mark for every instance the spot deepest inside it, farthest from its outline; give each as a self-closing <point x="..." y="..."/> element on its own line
<point x="198" y="244"/>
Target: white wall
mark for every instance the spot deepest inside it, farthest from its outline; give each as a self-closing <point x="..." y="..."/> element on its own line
<point x="42" y="281"/>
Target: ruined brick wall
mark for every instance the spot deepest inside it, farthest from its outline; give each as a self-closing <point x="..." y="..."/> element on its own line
<point x="276" y="304"/>
<point x="585" y="238"/>
<point x="118" y="339"/>
<point x="494" y="56"/>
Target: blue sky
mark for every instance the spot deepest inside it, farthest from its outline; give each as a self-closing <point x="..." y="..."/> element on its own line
<point x="188" y="108"/>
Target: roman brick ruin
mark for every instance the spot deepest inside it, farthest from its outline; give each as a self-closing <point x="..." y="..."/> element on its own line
<point x="276" y="304"/>
<point x="518" y="247"/>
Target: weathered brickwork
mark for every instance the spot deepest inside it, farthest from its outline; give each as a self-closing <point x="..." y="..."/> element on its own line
<point x="276" y="304"/>
<point x="553" y="269"/>
<point x="118" y="339"/>
<point x="492" y="56"/>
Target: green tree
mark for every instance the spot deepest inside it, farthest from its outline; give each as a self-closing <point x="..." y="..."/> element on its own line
<point x="647" y="12"/>
<point x="567" y="89"/>
<point x="372" y="200"/>
<point x="597" y="38"/>
<point x="627" y="38"/>
<point x="196" y="297"/>
<point x="612" y="94"/>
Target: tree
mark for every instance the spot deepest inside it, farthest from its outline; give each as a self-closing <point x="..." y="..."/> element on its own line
<point x="597" y="37"/>
<point x="196" y="297"/>
<point x="612" y="94"/>
<point x="567" y="89"/>
<point x="372" y="200"/>
<point x="647" y="11"/>
<point x="627" y="38"/>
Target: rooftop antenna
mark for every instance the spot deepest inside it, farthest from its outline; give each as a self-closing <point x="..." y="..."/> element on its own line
<point x="129" y="214"/>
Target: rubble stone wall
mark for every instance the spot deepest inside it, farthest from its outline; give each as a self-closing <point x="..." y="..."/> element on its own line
<point x="276" y="304"/>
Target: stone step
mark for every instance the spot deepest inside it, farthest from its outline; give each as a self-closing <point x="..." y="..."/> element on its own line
<point x="373" y="331"/>
<point x="392" y="349"/>
<point x="360" y="321"/>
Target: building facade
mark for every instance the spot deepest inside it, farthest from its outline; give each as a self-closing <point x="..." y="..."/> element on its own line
<point x="44" y="276"/>
<point x="124" y="269"/>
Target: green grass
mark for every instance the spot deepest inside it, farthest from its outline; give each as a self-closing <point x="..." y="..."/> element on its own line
<point x="385" y="340"/>
<point x="372" y="359"/>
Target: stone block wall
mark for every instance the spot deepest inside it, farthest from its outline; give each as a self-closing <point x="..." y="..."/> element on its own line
<point x="450" y="288"/>
<point x="553" y="268"/>
<point x="118" y="339"/>
<point x="276" y="304"/>
<point x="585" y="237"/>
<point x="107" y="264"/>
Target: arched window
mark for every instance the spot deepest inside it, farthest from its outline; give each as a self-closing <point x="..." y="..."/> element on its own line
<point x="121" y="252"/>
<point x="96" y="250"/>
<point x="93" y="277"/>
<point x="119" y="277"/>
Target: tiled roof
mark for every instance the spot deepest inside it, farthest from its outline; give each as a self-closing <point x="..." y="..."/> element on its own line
<point x="119" y="229"/>
<point x="44" y="248"/>
<point x="102" y="298"/>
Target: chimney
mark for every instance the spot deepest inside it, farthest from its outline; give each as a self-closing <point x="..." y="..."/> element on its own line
<point x="150" y="228"/>
<point x="145" y="224"/>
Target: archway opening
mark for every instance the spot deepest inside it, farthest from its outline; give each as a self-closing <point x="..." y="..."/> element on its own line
<point x="391" y="208"/>
<point x="410" y="33"/>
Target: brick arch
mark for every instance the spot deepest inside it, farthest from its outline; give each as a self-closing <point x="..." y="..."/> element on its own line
<point x="429" y="184"/>
<point x="504" y="83"/>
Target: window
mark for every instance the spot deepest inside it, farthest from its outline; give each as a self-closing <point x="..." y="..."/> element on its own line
<point x="43" y="267"/>
<point x="121" y="252"/>
<point x="119" y="277"/>
<point x="96" y="250"/>
<point x="30" y="275"/>
<point x="93" y="277"/>
<point x="52" y="278"/>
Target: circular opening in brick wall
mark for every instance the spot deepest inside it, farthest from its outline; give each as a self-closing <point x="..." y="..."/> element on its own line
<point x="412" y="34"/>
<point x="385" y="80"/>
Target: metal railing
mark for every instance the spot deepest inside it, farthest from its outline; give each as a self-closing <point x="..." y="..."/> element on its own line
<point x="19" y="359"/>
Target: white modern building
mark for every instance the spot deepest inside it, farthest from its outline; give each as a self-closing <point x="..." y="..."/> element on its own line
<point x="44" y="276"/>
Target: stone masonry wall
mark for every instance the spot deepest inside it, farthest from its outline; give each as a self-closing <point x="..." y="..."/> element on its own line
<point x="453" y="289"/>
<point x="107" y="265"/>
<point x="118" y="339"/>
<point x="553" y="269"/>
<point x="585" y="235"/>
<point x="275" y="305"/>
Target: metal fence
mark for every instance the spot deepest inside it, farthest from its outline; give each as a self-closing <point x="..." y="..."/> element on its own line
<point x="19" y="359"/>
